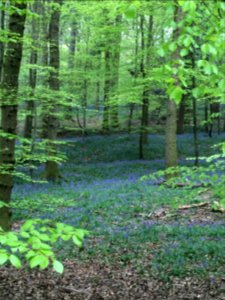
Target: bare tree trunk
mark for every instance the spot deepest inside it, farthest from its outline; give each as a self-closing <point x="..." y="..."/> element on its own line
<point x="9" y="106"/>
<point x="51" y="122"/>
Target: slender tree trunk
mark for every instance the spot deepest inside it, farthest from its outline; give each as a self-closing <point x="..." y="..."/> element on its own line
<point x="134" y="73"/>
<point x="97" y="95"/>
<point x="2" y="45"/>
<point x="84" y="103"/>
<point x="171" y="119"/>
<point x="98" y="58"/>
<point x="144" y="115"/>
<point x="115" y="73"/>
<point x="145" y="96"/>
<point x="105" y="124"/>
<point x="206" y="117"/>
<point x="11" y="68"/>
<point x="72" y="45"/>
<point x="181" y="115"/>
<point x="131" y="112"/>
<point x="51" y="122"/>
<point x="44" y="40"/>
<point x="32" y="74"/>
<point x="194" y="114"/>
<point x="218" y="120"/>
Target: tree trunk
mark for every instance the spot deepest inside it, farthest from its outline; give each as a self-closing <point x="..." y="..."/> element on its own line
<point x="206" y="117"/>
<point x="32" y="74"/>
<point x="11" y="68"/>
<point x="134" y="73"/>
<point x="194" y="113"/>
<point x="105" y="123"/>
<point x="2" y="45"/>
<point x="51" y="122"/>
<point x="44" y="40"/>
<point x="115" y="73"/>
<point x="171" y="119"/>
<point x="72" y="44"/>
<point x="181" y="115"/>
<point x="145" y="95"/>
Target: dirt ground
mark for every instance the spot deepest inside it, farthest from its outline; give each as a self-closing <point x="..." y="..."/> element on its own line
<point x="98" y="282"/>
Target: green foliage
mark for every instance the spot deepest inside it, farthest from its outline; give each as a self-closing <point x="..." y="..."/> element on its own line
<point x="34" y="241"/>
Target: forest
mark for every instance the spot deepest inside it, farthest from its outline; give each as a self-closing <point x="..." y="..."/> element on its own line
<point x="112" y="147"/>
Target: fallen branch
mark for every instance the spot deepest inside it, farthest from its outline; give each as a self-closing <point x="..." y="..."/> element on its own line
<point x="194" y="205"/>
<point x="73" y="290"/>
<point x="217" y="207"/>
<point x="183" y="184"/>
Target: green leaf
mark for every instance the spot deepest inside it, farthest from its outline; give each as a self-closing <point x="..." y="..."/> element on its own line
<point x="45" y="262"/>
<point x="37" y="261"/>
<point x="208" y="49"/>
<point x="130" y="13"/>
<point x="15" y="261"/>
<point x="181" y="2"/>
<point x="222" y="84"/>
<point x="183" y="52"/>
<point x="222" y="5"/>
<point x="58" y="266"/>
<point x="187" y="41"/>
<point x="3" y="258"/>
<point x="214" y="69"/>
<point x="77" y="241"/>
<point x="172" y="47"/>
<point x="2" y="204"/>
<point x="176" y="94"/>
<point x="189" y="5"/>
<point x="161" y="52"/>
<point x="198" y="92"/>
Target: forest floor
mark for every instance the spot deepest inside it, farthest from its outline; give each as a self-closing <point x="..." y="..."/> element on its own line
<point x="143" y="242"/>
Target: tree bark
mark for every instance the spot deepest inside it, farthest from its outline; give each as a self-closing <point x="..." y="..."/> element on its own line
<point x="194" y="113"/>
<point x="51" y="122"/>
<point x="145" y="95"/>
<point x="72" y="44"/>
<point x="115" y="73"/>
<point x="171" y="119"/>
<point x="181" y="115"/>
<point x="105" y="123"/>
<point x="32" y="74"/>
<point x="9" y="108"/>
<point x="2" y="45"/>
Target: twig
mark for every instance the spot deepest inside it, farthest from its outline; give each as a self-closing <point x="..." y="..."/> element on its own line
<point x="71" y="289"/>
<point x="194" y="205"/>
